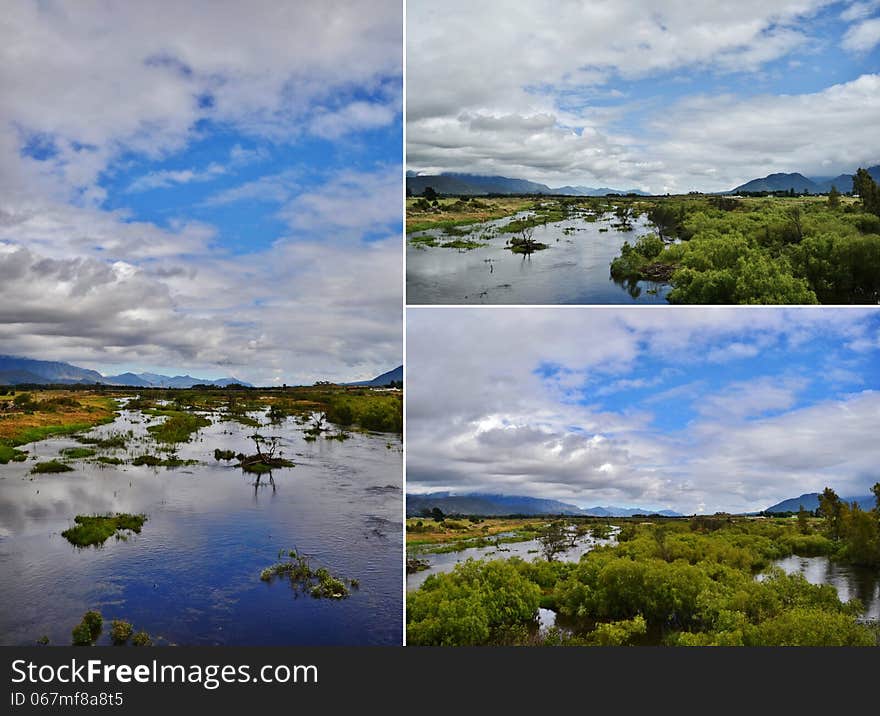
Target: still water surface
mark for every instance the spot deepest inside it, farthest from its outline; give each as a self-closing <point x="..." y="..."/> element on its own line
<point x="574" y="269"/>
<point x="192" y="575"/>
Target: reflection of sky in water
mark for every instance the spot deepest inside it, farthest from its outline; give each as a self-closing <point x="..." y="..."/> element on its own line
<point x="575" y="269"/>
<point x="192" y="575"/>
<point x="527" y="550"/>
<point x="851" y="582"/>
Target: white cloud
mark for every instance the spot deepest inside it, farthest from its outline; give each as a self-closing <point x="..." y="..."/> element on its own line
<point x="137" y="77"/>
<point x="862" y="37"/>
<point x="479" y="418"/>
<point x="525" y="99"/>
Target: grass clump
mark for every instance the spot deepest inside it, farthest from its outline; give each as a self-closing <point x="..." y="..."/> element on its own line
<point x="110" y="442"/>
<point x="77" y="453"/>
<point x="88" y="630"/>
<point x="178" y="428"/>
<point x="319" y="583"/>
<point x="50" y="466"/>
<point x="224" y="454"/>
<point x="104" y="460"/>
<point x="97" y="529"/>
<point x="154" y="461"/>
<point x="120" y="631"/>
<point x="8" y="453"/>
<point x="141" y="639"/>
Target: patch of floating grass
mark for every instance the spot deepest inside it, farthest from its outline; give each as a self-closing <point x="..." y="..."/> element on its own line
<point x="178" y="428"/>
<point x="88" y="630"/>
<point x="8" y="453"/>
<point x="104" y="460"/>
<point x="318" y="583"/>
<point x="77" y="453"/>
<point x="108" y="442"/>
<point x="224" y="454"/>
<point x="50" y="466"/>
<point x="120" y="631"/>
<point x="141" y="639"/>
<point x="97" y="529"/>
<point x="154" y="461"/>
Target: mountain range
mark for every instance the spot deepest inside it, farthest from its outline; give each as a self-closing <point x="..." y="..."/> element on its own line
<point x="392" y="376"/>
<point x="16" y="370"/>
<point x="490" y="505"/>
<point x="810" y="502"/>
<point x="802" y="184"/>
<point x="476" y="185"/>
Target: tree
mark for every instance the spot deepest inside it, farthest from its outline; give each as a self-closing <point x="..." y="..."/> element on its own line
<point x="429" y="193"/>
<point x="833" y="198"/>
<point x="831" y="509"/>
<point x="876" y="491"/>
<point x="803" y="523"/>
<point x="554" y="540"/>
<point x="867" y="189"/>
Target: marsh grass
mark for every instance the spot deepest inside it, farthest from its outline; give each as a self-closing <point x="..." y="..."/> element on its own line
<point x="319" y="583"/>
<point x="155" y="461"/>
<point x="77" y="453"/>
<point x="108" y="442"/>
<point x="96" y="529"/>
<point x="104" y="460"/>
<point x="8" y="453"/>
<point x="178" y="428"/>
<point x="50" y="466"/>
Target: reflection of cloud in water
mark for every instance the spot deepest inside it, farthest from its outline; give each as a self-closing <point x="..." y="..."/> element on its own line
<point x="192" y="575"/>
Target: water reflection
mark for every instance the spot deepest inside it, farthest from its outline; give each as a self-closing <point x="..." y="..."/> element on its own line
<point x="850" y="582"/>
<point x="574" y="269"/>
<point x="192" y="575"/>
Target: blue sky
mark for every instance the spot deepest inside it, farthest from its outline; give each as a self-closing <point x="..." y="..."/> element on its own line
<point x="660" y="95"/>
<point x="205" y="187"/>
<point x="692" y="410"/>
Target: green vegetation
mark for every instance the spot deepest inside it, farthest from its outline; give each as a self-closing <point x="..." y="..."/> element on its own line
<point x="318" y="583"/>
<point x="154" y="461"/>
<point x="104" y="460"/>
<point x="9" y="453"/>
<point x="671" y="582"/>
<point x="120" y="632"/>
<point x="141" y="638"/>
<point x="97" y="529"/>
<point x="446" y="214"/>
<point x="77" y="453"/>
<point x="178" y="427"/>
<point x="108" y="442"/>
<point x="44" y="413"/>
<point x="856" y="532"/>
<point x="50" y="466"/>
<point x="88" y="630"/>
<point x="761" y="250"/>
<point x="223" y="454"/>
<point x="379" y="412"/>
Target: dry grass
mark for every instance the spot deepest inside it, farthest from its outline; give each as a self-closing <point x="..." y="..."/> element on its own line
<point x="484" y="210"/>
<point x="18" y="428"/>
<point x="436" y="533"/>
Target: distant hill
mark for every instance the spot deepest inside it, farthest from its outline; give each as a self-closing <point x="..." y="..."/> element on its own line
<point x="801" y="184"/>
<point x="780" y="182"/>
<point x="392" y="376"/>
<point x="491" y="505"/>
<point x="477" y="185"/>
<point x="15" y="370"/>
<point x="810" y="502"/>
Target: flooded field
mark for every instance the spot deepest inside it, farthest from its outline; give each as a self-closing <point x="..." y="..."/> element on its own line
<point x="192" y="574"/>
<point x="575" y="268"/>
